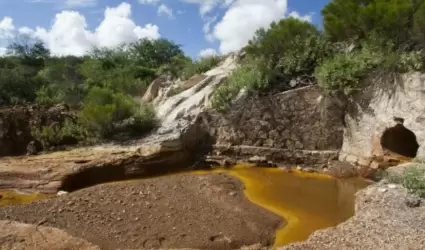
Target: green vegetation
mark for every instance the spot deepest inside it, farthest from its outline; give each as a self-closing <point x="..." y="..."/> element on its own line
<point x="197" y="67"/>
<point x="360" y="38"/>
<point x="101" y="87"/>
<point x="412" y="178"/>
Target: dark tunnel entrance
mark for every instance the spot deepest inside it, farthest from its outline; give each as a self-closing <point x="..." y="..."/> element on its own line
<point x="400" y="140"/>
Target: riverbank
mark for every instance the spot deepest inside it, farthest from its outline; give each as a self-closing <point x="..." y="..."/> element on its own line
<point x="202" y="209"/>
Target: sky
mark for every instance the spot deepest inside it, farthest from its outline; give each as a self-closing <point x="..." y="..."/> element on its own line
<point x="201" y="27"/>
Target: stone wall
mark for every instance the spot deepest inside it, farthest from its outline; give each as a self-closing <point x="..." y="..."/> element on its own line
<point x="385" y="104"/>
<point x="295" y="120"/>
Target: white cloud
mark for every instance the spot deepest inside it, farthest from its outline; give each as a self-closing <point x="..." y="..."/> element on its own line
<point x="297" y="15"/>
<point x="165" y="10"/>
<point x="149" y="1"/>
<point x="6" y="27"/>
<point x="2" y="51"/>
<point x="244" y="17"/>
<point x="69" y="34"/>
<point x="206" y="6"/>
<point x="207" y="52"/>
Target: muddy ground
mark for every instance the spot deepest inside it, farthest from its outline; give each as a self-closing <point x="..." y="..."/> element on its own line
<point x="180" y="211"/>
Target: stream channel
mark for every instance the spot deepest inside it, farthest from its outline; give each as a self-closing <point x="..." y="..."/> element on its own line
<point x="307" y="201"/>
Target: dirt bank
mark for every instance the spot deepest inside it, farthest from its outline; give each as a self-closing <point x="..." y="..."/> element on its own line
<point x="181" y="211"/>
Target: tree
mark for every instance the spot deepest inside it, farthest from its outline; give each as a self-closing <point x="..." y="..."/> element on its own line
<point x="154" y="53"/>
<point x="288" y="49"/>
<point x="353" y="20"/>
<point x="26" y="47"/>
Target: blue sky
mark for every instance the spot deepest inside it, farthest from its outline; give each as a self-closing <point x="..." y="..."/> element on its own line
<point x="211" y="26"/>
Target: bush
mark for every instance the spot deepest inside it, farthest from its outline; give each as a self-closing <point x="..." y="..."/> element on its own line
<point x="413" y="178"/>
<point x="98" y="119"/>
<point x="144" y="120"/>
<point x="106" y="113"/>
<point x="289" y="49"/>
<point x="70" y="132"/>
<point x="200" y="66"/>
<point x="347" y="20"/>
<point x="345" y="72"/>
<point x="246" y="77"/>
<point x="124" y="105"/>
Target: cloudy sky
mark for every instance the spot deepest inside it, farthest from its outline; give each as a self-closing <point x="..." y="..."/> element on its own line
<point x="202" y="27"/>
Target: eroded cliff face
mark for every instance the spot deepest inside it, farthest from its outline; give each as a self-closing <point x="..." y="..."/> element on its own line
<point x="17" y="123"/>
<point x="388" y="115"/>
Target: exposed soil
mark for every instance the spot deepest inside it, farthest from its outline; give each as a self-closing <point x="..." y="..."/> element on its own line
<point x="31" y="237"/>
<point x="180" y="211"/>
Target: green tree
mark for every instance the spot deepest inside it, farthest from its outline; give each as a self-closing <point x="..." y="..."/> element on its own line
<point x="352" y="20"/>
<point x="288" y="49"/>
<point x="154" y="53"/>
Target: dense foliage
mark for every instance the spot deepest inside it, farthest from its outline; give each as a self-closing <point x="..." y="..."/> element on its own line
<point x="102" y="87"/>
<point x="359" y="38"/>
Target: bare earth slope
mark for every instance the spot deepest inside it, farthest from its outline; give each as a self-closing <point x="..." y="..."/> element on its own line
<point x="179" y="211"/>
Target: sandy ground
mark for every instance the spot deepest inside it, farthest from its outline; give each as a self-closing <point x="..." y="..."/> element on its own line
<point x="180" y="211"/>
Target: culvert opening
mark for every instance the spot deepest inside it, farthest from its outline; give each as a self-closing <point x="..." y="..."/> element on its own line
<point x="400" y="140"/>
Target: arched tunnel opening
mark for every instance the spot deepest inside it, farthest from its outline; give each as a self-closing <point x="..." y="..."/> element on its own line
<point x="400" y="140"/>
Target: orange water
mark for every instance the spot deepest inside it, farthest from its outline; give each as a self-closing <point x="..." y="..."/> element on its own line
<point x="307" y="202"/>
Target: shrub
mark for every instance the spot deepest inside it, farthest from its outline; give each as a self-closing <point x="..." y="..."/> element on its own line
<point x="98" y="119"/>
<point x="413" y="178"/>
<point x="48" y="136"/>
<point x="70" y="132"/>
<point x="200" y="66"/>
<point x="345" y="72"/>
<point x="124" y="105"/>
<point x="289" y="49"/>
<point x="144" y="120"/>
<point x="347" y="20"/>
<point x="246" y="77"/>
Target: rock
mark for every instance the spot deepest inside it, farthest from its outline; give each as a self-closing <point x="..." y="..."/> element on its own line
<point x="382" y="190"/>
<point x="257" y="159"/>
<point x="364" y="162"/>
<point x="392" y="121"/>
<point x="18" y="123"/>
<point x="25" y="236"/>
<point x="286" y="169"/>
<point x="351" y="159"/>
<point x="60" y="193"/>
<point x="374" y="165"/>
<point x="152" y="91"/>
<point x="413" y="201"/>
